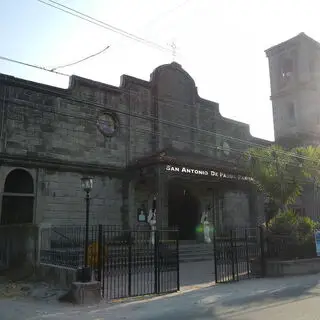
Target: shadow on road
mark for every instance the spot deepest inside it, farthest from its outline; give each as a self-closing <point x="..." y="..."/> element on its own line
<point x="279" y="295"/>
<point x="196" y="273"/>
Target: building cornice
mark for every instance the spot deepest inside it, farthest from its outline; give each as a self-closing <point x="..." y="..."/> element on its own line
<point x="33" y="161"/>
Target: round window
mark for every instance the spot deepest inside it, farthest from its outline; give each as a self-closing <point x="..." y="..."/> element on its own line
<point x="107" y="124"/>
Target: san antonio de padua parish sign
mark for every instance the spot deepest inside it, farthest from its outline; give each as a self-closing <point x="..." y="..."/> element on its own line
<point x="211" y="173"/>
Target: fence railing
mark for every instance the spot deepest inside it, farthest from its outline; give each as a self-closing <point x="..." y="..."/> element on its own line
<point x="126" y="262"/>
<point x="238" y="254"/>
<point x="65" y="245"/>
<point x="287" y="247"/>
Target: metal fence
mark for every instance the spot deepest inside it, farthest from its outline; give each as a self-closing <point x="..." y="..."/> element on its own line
<point x="4" y="251"/>
<point x="288" y="247"/>
<point x="126" y="262"/>
<point x="238" y="254"/>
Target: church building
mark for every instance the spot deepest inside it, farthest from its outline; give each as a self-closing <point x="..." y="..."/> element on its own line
<point x="143" y="140"/>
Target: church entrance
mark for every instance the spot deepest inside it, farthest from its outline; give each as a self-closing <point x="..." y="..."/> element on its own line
<point x="183" y="211"/>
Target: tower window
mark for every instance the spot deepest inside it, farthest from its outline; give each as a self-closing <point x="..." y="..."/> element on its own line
<point x="291" y="111"/>
<point x="286" y="68"/>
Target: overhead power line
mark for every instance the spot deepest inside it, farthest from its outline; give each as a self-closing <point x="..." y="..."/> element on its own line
<point x="146" y="117"/>
<point x="143" y="133"/>
<point x="102" y="24"/>
<point x="32" y="66"/>
<point x="82" y="60"/>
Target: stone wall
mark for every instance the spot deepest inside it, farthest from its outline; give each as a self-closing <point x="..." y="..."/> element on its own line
<point x="57" y="129"/>
<point x="59" y="198"/>
<point x="18" y="246"/>
<point x="51" y="124"/>
<point x="236" y="212"/>
<point x="62" y="201"/>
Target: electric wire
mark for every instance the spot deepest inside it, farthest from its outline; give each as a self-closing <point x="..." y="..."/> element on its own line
<point x="165" y="122"/>
<point x="143" y="131"/>
<point x="81" y="60"/>
<point x="102" y="24"/>
<point x="137" y="115"/>
<point x="26" y="64"/>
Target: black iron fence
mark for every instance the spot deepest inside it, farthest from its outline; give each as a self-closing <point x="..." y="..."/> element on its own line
<point x="126" y="262"/>
<point x="238" y="254"/>
<point x="4" y="250"/>
<point x="288" y="247"/>
<point x="135" y="265"/>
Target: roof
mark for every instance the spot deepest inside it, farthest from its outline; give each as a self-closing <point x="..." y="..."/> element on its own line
<point x="297" y="39"/>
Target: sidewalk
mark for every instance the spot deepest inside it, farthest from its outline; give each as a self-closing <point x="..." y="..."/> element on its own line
<point x="31" y="309"/>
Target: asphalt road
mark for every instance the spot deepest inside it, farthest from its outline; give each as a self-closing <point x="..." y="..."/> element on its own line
<point x="264" y="299"/>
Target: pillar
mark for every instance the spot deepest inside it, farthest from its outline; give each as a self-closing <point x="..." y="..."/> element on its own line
<point x="256" y="207"/>
<point x="132" y="216"/>
<point x="162" y="197"/>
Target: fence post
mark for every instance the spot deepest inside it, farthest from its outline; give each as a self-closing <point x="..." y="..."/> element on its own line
<point x="262" y="252"/>
<point x="129" y="263"/>
<point x="215" y="258"/>
<point x="178" y="260"/>
<point x="100" y="249"/>
<point x="156" y="261"/>
<point x="236" y="252"/>
<point x="232" y="255"/>
<point x="247" y="251"/>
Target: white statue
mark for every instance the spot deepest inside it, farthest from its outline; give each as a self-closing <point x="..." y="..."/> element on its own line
<point x="142" y="214"/>
<point x="152" y="220"/>
<point x="206" y="225"/>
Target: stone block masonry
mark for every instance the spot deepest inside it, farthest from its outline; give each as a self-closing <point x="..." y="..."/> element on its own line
<point x="61" y="200"/>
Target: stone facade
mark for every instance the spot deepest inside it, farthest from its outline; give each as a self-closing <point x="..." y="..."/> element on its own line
<point x="58" y="135"/>
<point x="295" y="93"/>
<point x="295" y="90"/>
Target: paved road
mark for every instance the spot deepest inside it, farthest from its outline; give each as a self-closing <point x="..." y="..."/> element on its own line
<point x="264" y="299"/>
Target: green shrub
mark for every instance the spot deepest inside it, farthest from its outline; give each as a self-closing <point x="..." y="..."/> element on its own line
<point x="292" y="235"/>
<point x="291" y="224"/>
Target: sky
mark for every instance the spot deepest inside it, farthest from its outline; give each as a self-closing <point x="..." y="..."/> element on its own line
<point x="220" y="43"/>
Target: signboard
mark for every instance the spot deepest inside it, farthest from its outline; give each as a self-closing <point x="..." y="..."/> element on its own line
<point x="209" y="173"/>
<point x="317" y="240"/>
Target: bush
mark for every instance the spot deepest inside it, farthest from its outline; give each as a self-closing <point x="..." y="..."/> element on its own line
<point x="291" y="236"/>
<point x="290" y="224"/>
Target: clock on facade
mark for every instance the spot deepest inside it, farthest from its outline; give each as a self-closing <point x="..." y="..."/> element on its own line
<point x="107" y="124"/>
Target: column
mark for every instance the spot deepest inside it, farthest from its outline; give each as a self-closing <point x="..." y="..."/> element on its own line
<point x="256" y="207"/>
<point x="162" y="198"/>
<point x="131" y="204"/>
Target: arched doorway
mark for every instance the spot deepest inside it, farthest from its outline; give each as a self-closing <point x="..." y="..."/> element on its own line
<point x="17" y="198"/>
<point x="183" y="210"/>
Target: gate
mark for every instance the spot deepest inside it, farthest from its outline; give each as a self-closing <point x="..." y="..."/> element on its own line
<point x="239" y="254"/>
<point x="131" y="265"/>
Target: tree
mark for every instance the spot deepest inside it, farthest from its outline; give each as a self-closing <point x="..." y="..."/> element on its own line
<point x="281" y="174"/>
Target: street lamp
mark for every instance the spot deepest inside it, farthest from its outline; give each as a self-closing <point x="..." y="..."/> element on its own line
<point x="87" y="184"/>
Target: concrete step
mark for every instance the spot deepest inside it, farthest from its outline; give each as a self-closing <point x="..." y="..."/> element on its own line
<point x="195" y="252"/>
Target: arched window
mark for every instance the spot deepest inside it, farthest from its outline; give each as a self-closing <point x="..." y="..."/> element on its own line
<point x="17" y="198"/>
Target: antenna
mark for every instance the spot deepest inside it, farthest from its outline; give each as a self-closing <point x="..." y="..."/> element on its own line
<point x="173" y="47"/>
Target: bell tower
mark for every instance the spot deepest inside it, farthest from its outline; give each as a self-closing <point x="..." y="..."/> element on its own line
<point x="294" y="67"/>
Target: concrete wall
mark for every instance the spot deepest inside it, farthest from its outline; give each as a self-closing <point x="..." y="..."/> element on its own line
<point x="292" y="268"/>
<point x="60" y="276"/>
<point x="18" y="246"/>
